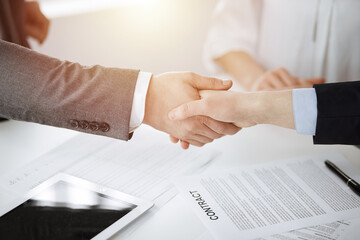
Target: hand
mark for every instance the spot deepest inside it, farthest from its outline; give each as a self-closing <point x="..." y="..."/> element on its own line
<point x="281" y="79"/>
<point x="220" y="105"/>
<point x="243" y="109"/>
<point x="36" y="24"/>
<point x="170" y="90"/>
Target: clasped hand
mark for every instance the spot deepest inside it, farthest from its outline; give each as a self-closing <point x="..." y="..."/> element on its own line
<point x="242" y="109"/>
<point x="171" y="90"/>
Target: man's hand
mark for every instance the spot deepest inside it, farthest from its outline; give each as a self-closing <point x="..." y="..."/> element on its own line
<point x="280" y="79"/>
<point x="243" y="109"/>
<point x="220" y="105"/>
<point x="170" y="90"/>
<point x="36" y="24"/>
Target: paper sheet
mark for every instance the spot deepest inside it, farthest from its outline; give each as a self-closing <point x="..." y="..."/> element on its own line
<point x="142" y="169"/>
<point x="262" y="200"/>
<point x="331" y="231"/>
<point x="58" y="159"/>
<point x="328" y="231"/>
<point x="139" y="167"/>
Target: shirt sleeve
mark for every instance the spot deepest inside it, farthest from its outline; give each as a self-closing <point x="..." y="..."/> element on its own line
<point x="234" y="27"/>
<point x="138" y="106"/>
<point x="305" y="110"/>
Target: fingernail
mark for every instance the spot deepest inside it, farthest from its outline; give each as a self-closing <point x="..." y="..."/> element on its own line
<point x="227" y="82"/>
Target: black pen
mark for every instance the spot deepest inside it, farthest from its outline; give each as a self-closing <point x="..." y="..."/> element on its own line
<point x="350" y="182"/>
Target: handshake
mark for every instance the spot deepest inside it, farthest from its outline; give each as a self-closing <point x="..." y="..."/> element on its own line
<point x="196" y="109"/>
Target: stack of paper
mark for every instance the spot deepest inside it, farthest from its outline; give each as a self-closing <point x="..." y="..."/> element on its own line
<point x="261" y="200"/>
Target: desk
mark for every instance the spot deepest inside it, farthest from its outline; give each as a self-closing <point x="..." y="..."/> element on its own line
<point x="21" y="143"/>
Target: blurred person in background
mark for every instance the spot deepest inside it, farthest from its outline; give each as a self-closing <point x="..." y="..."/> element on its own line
<point x="282" y="44"/>
<point x="20" y="20"/>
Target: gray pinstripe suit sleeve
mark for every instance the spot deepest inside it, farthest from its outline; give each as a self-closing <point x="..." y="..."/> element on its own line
<point x="45" y="90"/>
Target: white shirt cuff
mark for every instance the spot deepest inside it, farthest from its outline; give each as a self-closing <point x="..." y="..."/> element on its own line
<point x="305" y="110"/>
<point x="138" y="106"/>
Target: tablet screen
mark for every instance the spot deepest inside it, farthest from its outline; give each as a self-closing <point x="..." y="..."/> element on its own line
<point x="63" y="211"/>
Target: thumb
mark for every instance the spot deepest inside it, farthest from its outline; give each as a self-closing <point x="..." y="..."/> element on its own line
<point x="316" y="80"/>
<point x="208" y="83"/>
<point x="187" y="110"/>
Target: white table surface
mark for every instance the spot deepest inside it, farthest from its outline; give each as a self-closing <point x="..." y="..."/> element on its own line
<point x="21" y="143"/>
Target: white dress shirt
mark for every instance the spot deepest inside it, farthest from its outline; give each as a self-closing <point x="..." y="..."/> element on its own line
<point x="139" y="99"/>
<point x="310" y="38"/>
<point x="305" y="110"/>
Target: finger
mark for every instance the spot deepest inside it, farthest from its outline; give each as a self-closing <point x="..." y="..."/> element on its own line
<point x="200" y="128"/>
<point x="206" y="130"/>
<point x="287" y="78"/>
<point x="185" y="145"/>
<point x="264" y="82"/>
<point x="274" y="80"/>
<point x="223" y="128"/>
<point x="187" y="110"/>
<point x="316" y="80"/>
<point x="201" y="138"/>
<point x="195" y="143"/>
<point x="308" y="83"/>
<point x="264" y="86"/>
<point x="208" y="83"/>
<point x="238" y="124"/>
<point x="174" y="139"/>
<point x="206" y="93"/>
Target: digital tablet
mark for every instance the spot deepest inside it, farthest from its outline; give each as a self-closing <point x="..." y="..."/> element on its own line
<point x="67" y="207"/>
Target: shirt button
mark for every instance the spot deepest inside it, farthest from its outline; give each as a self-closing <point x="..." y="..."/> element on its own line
<point x="94" y="126"/>
<point x="104" y="127"/>
<point x="74" y="123"/>
<point x="84" y="124"/>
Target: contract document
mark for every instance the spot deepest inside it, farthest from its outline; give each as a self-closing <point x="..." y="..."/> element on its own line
<point x="271" y="198"/>
<point x="333" y="231"/>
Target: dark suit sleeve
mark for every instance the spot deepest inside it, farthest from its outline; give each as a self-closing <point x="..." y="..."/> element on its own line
<point x="338" y="120"/>
<point x="45" y="90"/>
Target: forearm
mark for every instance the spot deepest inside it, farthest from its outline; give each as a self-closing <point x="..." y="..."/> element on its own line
<point x="242" y="67"/>
<point x="273" y="107"/>
<point x="41" y="89"/>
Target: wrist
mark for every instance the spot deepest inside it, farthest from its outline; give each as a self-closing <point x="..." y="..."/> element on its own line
<point x="248" y="110"/>
<point x="274" y="107"/>
<point x="155" y="108"/>
<point x="148" y="102"/>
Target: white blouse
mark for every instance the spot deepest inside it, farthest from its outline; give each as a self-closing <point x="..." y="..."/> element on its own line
<point x="310" y="38"/>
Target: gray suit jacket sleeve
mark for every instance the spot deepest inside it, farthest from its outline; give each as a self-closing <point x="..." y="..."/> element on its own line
<point x="45" y="90"/>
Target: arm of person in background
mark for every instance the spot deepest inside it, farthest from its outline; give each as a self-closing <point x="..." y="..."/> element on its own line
<point x="36" y="24"/>
<point x="329" y="112"/>
<point x="231" y="46"/>
<point x="253" y="77"/>
<point x="98" y="100"/>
